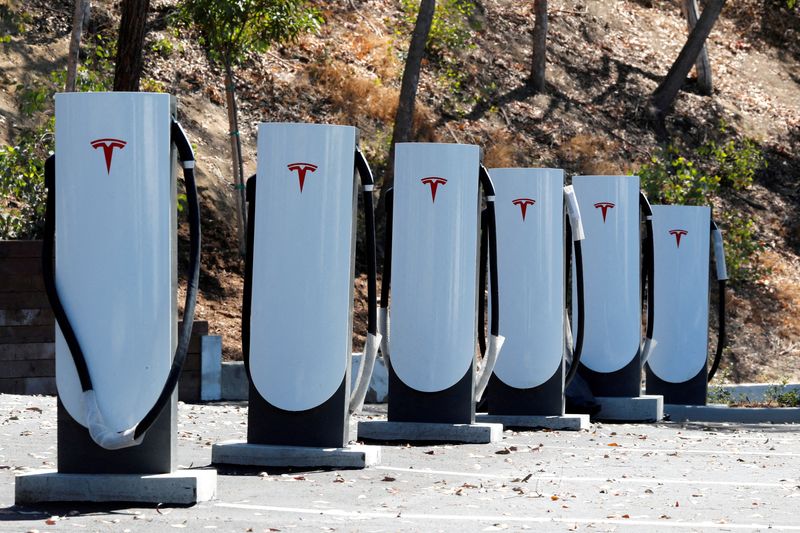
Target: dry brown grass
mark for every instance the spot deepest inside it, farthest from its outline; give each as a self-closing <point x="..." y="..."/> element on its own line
<point x="592" y="154"/>
<point x="377" y="52"/>
<point x="355" y="97"/>
<point x="786" y="290"/>
<point x="501" y="151"/>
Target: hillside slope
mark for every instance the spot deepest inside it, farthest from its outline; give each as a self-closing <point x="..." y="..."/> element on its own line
<point x="605" y="58"/>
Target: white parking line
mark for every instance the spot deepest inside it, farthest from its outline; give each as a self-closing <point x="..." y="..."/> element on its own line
<point x="368" y="515"/>
<point x="640" y="449"/>
<point x="652" y="481"/>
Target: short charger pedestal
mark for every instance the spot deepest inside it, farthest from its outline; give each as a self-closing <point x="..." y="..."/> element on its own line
<point x="384" y="431"/>
<point x="240" y="453"/>
<point x="645" y="408"/>
<point x="563" y="422"/>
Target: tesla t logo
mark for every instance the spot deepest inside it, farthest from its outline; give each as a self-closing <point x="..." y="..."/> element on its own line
<point x="523" y="204"/>
<point x="434" y="182"/>
<point x="108" y="146"/>
<point x="678" y="234"/>
<point x="301" y="169"/>
<point x="604" y="206"/>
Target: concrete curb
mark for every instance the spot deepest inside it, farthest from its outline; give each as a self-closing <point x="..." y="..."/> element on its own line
<point x="740" y="415"/>
<point x="752" y="392"/>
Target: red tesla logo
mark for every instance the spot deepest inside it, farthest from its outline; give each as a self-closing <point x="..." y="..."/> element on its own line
<point x="301" y="169"/>
<point x="604" y="206"/>
<point x="678" y="234"/>
<point x="108" y="146"/>
<point x="523" y="204"/>
<point x="434" y="182"/>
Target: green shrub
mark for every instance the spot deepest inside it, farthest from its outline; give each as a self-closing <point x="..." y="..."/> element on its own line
<point x="163" y="47"/>
<point x="781" y="396"/>
<point x="451" y="33"/>
<point x="717" y="394"/>
<point x="22" y="191"/>
<point x="12" y="22"/>
<point x="451" y="29"/>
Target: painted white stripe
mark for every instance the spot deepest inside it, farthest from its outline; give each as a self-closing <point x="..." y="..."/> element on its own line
<point x="624" y="448"/>
<point x="366" y="515"/>
<point x="579" y="479"/>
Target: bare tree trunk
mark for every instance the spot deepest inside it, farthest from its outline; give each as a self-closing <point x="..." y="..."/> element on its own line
<point x="79" y="19"/>
<point x="537" y="79"/>
<point x="664" y="96"/>
<point x="702" y="65"/>
<point x="129" y="45"/>
<point x="236" y="157"/>
<point x="404" y="119"/>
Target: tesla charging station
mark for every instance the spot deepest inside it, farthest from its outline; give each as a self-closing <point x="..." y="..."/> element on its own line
<point x="527" y="386"/>
<point x="112" y="212"/>
<point x="677" y="366"/>
<point x="431" y="256"/>
<point x="298" y="301"/>
<point x="611" y="362"/>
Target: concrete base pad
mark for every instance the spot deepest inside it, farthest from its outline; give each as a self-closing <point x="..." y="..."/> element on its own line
<point x="644" y="408"/>
<point x="184" y="487"/>
<point x="244" y="454"/>
<point x="566" y="422"/>
<point x="383" y="430"/>
<point x="723" y="413"/>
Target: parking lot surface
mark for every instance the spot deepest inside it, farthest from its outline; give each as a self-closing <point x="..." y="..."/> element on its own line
<point x="613" y="477"/>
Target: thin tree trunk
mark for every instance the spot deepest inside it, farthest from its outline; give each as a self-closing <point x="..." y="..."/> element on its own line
<point x="702" y="65"/>
<point x="129" y="45"/>
<point x="664" y="96"/>
<point x="79" y="19"/>
<point x="537" y="79"/>
<point x="236" y="157"/>
<point x="404" y="119"/>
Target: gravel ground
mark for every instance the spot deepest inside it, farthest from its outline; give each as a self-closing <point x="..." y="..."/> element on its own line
<point x="628" y="477"/>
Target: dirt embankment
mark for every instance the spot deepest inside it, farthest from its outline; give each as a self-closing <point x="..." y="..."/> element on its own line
<point x="604" y="59"/>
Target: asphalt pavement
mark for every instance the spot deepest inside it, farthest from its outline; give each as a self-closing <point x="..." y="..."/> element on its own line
<point x="613" y="477"/>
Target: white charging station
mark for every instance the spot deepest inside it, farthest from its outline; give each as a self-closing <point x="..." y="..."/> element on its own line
<point x="297" y="315"/>
<point x="527" y="386"/>
<point x="112" y="212"/>
<point x="677" y="366"/>
<point x="613" y="344"/>
<point x="432" y="249"/>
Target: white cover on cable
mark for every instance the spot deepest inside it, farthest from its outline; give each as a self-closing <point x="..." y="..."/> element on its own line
<point x="102" y="434"/>
<point x="383" y="332"/>
<point x="365" y="370"/>
<point x="574" y="213"/>
<point x="719" y="255"/>
<point x="493" y="347"/>
<point x="647" y="349"/>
